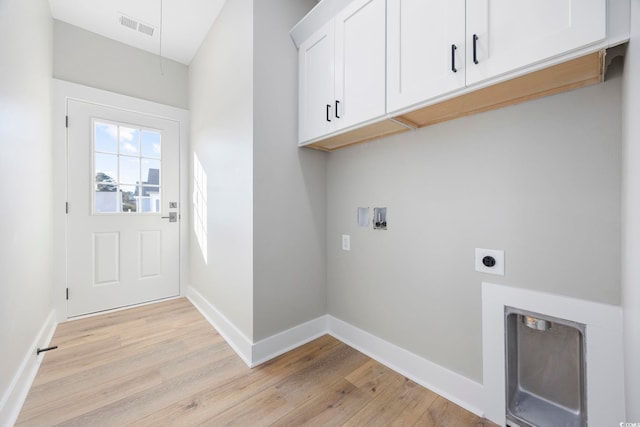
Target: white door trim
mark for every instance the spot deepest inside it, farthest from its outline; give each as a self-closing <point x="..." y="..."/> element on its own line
<point x="62" y="91"/>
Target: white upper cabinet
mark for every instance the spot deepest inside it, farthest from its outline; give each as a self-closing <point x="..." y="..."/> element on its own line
<point x="360" y="63"/>
<point x="371" y="68"/>
<point x="342" y="71"/>
<point x="316" y="84"/>
<point x="438" y="46"/>
<point x="426" y="50"/>
<point x="504" y="35"/>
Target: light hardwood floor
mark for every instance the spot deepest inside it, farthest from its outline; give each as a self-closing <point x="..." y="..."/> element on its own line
<point x="163" y="364"/>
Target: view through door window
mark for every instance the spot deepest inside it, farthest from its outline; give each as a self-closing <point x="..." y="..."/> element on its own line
<point x="127" y="166"/>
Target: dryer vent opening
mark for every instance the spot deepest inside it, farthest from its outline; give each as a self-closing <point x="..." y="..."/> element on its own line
<point x="545" y="370"/>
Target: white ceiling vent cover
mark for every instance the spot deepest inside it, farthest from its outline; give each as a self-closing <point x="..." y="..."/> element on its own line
<point x="145" y="29"/>
<point x="128" y="22"/>
<point x="135" y="24"/>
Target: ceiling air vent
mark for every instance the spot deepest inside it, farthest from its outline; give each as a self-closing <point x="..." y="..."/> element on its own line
<point x="136" y="25"/>
<point x="145" y="29"/>
<point x="128" y="22"/>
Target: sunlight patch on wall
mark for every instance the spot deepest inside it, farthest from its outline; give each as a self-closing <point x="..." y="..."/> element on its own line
<point x="200" y="205"/>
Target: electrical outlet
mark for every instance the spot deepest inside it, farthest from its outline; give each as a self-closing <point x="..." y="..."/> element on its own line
<point x="490" y="261"/>
<point x="346" y="242"/>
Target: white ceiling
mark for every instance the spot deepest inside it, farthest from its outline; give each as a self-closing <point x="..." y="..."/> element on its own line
<point x="185" y="23"/>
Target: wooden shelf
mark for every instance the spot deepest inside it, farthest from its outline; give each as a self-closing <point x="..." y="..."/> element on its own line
<point x="575" y="73"/>
<point x="367" y="133"/>
<point x="583" y="71"/>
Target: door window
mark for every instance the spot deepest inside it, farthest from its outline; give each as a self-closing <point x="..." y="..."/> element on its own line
<point x="127" y="166"/>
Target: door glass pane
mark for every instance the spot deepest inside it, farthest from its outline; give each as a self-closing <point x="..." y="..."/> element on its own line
<point x="151" y="146"/>
<point x="106" y="138"/>
<point x="129" y="170"/>
<point x="129" y="198"/>
<point x="106" y="168"/>
<point x="106" y="198"/>
<point x="149" y="201"/>
<point x="129" y="140"/>
<point x="151" y="171"/>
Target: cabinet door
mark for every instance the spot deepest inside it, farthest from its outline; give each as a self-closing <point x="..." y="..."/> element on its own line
<point x="425" y="50"/>
<point x="316" y="84"/>
<point x="511" y="34"/>
<point x="360" y="62"/>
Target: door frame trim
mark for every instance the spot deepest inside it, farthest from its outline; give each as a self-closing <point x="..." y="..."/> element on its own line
<point x="63" y="91"/>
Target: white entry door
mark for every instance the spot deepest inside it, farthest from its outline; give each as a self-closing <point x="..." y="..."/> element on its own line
<point x="122" y="221"/>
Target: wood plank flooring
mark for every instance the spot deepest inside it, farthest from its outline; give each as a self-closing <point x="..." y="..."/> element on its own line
<point x="164" y="365"/>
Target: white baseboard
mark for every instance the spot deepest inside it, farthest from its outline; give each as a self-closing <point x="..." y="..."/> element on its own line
<point x="231" y="334"/>
<point x="14" y="396"/>
<point x="285" y="341"/>
<point x="264" y="350"/>
<point x="448" y="384"/>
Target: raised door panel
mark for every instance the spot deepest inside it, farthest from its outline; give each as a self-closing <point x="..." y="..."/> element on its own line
<point x="316" y="80"/>
<point x="360" y="63"/>
<point x="514" y="34"/>
<point x="425" y="50"/>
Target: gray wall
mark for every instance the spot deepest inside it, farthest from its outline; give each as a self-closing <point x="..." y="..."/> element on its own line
<point x="266" y="264"/>
<point x="221" y="135"/>
<point x="92" y="60"/>
<point x="540" y="180"/>
<point x="25" y="179"/>
<point x="631" y="214"/>
<point x="289" y="184"/>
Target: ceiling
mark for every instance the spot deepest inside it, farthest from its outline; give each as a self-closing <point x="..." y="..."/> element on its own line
<point x="185" y="23"/>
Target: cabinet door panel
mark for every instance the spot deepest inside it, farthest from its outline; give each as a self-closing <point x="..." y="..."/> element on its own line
<point x="513" y="34"/>
<point x="316" y="84"/>
<point x="360" y="62"/>
<point x="419" y="51"/>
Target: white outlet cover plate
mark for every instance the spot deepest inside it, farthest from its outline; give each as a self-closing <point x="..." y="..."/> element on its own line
<point x="498" y="255"/>
<point x="346" y="242"/>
